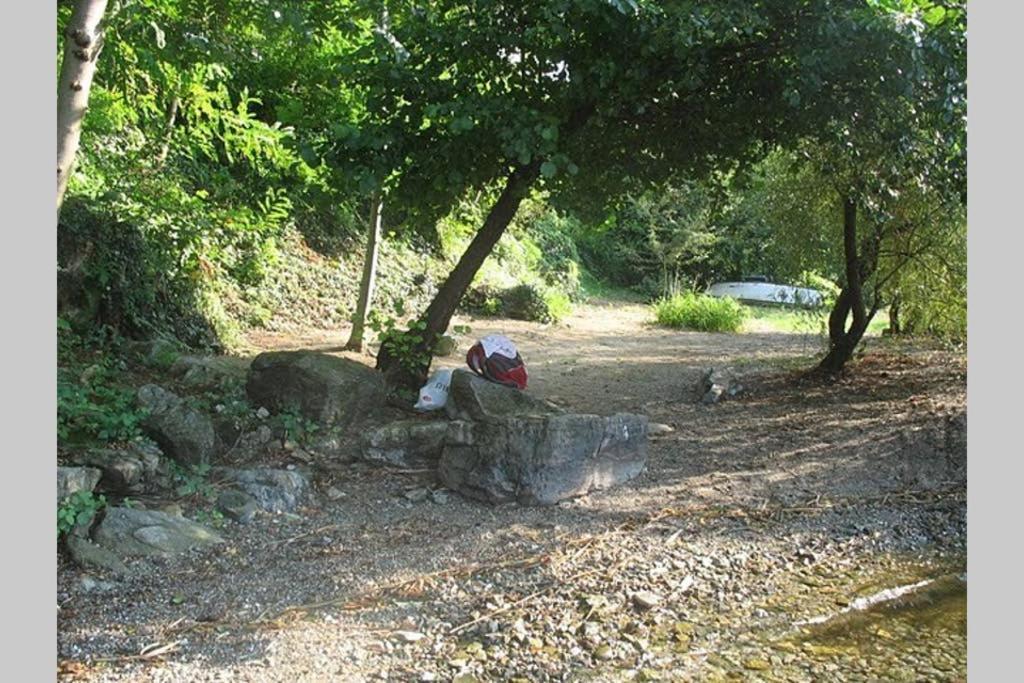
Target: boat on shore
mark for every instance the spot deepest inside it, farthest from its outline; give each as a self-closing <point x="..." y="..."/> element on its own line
<point x="760" y="291"/>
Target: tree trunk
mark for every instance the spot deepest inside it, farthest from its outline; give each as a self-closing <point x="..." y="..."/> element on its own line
<point x="165" y="148"/>
<point x="895" y="324"/>
<point x="411" y="374"/>
<point x="843" y="341"/>
<point x="355" y="340"/>
<point x="82" y="46"/>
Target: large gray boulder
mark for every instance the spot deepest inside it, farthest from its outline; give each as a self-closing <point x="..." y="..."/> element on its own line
<point x="73" y="479"/>
<point x="406" y="443"/>
<point x="183" y="434"/>
<point x="541" y="460"/>
<point x="471" y="397"/>
<point x="327" y="389"/>
<point x="127" y="471"/>
<point x="272" y="490"/>
<point x="127" y="531"/>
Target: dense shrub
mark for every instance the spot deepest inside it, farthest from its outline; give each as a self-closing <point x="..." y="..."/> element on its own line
<point x="700" y="312"/>
<point x="521" y="302"/>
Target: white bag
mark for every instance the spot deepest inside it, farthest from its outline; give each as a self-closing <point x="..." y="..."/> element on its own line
<point x="434" y="393"/>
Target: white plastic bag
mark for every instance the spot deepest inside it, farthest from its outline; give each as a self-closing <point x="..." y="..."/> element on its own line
<point x="434" y="393"/>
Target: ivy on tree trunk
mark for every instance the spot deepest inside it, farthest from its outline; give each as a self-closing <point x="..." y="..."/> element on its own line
<point x="410" y="370"/>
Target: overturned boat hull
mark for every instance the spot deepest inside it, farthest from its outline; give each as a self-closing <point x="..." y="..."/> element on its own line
<point x="768" y="293"/>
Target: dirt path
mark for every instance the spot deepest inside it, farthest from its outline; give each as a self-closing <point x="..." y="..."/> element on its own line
<point x="785" y="504"/>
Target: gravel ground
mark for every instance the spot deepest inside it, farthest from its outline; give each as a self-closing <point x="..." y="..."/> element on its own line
<point x="791" y="503"/>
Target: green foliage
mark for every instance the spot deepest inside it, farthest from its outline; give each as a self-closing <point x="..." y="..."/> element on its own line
<point x="193" y="481"/>
<point x="91" y="404"/>
<point x="404" y="345"/>
<point x="531" y="302"/>
<point x="297" y="427"/>
<point x="78" y="509"/>
<point x="699" y="312"/>
<point x="211" y="517"/>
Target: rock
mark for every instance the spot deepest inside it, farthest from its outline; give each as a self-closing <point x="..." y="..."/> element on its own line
<point x="657" y="429"/>
<point x="89" y="585"/>
<point x="646" y="600"/>
<point x="237" y="505"/>
<point x="542" y="460"/>
<point x="73" y="479"/>
<point x="439" y="496"/>
<point x="160" y="352"/>
<point x="715" y="383"/>
<point x="417" y="495"/>
<point x="334" y="493"/>
<point x="183" y="434"/>
<point x="471" y="397"/>
<point x="127" y="471"/>
<point x="757" y="665"/>
<point x="327" y="389"/>
<point x="209" y="372"/>
<point x="88" y="555"/>
<point x="408" y="636"/>
<point x="263" y="414"/>
<point x="273" y="490"/>
<point x="406" y="443"/>
<point x="446" y="345"/>
<point x="127" y="531"/>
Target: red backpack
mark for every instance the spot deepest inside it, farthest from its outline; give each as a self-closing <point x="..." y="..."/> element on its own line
<point x="497" y="365"/>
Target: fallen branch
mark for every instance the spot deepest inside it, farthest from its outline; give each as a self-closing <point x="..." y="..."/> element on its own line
<point x="320" y="530"/>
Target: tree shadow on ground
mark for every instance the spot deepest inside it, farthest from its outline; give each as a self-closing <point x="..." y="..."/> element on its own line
<point x="369" y="561"/>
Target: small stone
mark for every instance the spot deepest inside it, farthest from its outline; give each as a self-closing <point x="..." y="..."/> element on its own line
<point x="646" y="600"/>
<point x="237" y="505"/>
<point x="334" y="493"/>
<point x="289" y="446"/>
<point x="757" y="664"/>
<point x="440" y="496"/>
<point x="658" y="428"/>
<point x="408" y="636"/>
<point x="417" y="495"/>
<point x="603" y="652"/>
<point x="262" y="413"/>
<point x="172" y="509"/>
<point x="90" y="584"/>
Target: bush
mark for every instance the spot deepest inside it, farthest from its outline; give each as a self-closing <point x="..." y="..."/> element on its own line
<point x="699" y="312"/>
<point x="521" y="302"/>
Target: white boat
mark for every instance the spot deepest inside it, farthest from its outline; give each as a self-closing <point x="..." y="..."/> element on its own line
<point x="756" y="291"/>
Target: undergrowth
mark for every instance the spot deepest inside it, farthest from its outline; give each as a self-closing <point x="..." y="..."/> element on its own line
<point x="699" y="312"/>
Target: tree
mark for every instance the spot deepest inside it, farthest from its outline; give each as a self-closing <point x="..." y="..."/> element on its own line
<point x="900" y="165"/>
<point x="355" y="340"/>
<point x="594" y="99"/>
<point x="83" y="42"/>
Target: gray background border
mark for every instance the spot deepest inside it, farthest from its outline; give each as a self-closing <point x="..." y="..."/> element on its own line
<point x="28" y="120"/>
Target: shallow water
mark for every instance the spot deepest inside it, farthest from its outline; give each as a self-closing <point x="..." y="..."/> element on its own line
<point x="936" y="609"/>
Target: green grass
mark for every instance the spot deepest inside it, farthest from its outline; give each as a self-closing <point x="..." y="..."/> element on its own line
<point x="798" y="321"/>
<point x="594" y="288"/>
<point x="700" y="312"/>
